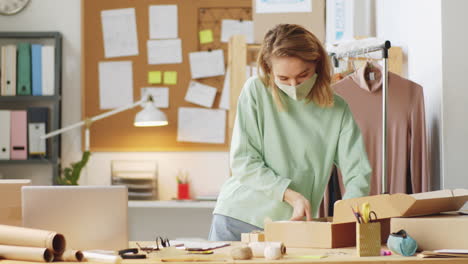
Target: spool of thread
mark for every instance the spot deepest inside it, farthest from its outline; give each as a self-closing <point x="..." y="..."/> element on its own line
<point x="241" y="253"/>
<point x="273" y="252"/>
<point x="258" y="248"/>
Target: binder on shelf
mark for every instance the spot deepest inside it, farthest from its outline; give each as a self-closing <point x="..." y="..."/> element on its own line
<point x="36" y="69"/>
<point x="38" y="119"/>
<point x="18" y="138"/>
<point x="5" y="120"/>
<point x="23" y="86"/>
<point x="48" y="74"/>
<point x="8" y="81"/>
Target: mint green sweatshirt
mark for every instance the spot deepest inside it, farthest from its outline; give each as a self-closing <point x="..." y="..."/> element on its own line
<point x="273" y="150"/>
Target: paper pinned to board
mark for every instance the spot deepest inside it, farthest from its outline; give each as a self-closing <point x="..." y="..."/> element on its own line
<point x="119" y="32"/>
<point x="206" y="63"/>
<point x="230" y="27"/>
<point x="201" y="125"/>
<point x="163" y="22"/>
<point x="201" y="94"/>
<point x="224" y="102"/>
<point x="205" y="36"/>
<point x="154" y="77"/>
<point x="115" y="84"/>
<point x="170" y="77"/>
<point x="283" y="6"/>
<point x="167" y="51"/>
<point x="160" y="95"/>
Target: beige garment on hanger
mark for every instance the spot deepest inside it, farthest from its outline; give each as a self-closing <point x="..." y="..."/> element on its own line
<point x="407" y="159"/>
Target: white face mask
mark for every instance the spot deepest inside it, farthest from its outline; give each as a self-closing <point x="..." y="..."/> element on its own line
<point x="300" y="91"/>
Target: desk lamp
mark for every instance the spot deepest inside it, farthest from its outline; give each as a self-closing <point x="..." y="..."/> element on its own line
<point x="149" y="116"/>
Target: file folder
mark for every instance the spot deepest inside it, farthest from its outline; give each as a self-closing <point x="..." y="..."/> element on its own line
<point x="8" y="70"/>
<point x="37" y="126"/>
<point x="18" y="138"/>
<point x="36" y="70"/>
<point x="48" y="80"/>
<point x="5" y="134"/>
<point x="23" y="86"/>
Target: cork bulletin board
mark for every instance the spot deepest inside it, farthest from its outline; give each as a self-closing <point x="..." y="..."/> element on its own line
<point x="117" y="132"/>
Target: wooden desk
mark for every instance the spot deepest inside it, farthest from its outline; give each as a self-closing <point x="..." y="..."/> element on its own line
<point x="333" y="256"/>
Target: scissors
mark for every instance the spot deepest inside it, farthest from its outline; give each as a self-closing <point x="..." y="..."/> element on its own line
<point x="367" y="214"/>
<point x="356" y="214"/>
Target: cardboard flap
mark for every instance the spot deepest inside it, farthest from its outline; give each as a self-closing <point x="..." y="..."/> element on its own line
<point x="380" y="204"/>
<point x="399" y="204"/>
<point x="435" y="202"/>
<point x="434" y="194"/>
<point x="460" y="192"/>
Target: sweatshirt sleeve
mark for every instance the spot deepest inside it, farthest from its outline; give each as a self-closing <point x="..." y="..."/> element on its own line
<point x="246" y="154"/>
<point x="351" y="158"/>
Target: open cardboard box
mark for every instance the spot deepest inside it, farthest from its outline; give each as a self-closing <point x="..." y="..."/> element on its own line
<point x="341" y="230"/>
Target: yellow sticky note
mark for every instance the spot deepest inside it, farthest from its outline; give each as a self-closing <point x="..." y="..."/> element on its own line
<point x="154" y="77"/>
<point x="170" y="77"/>
<point x="206" y="36"/>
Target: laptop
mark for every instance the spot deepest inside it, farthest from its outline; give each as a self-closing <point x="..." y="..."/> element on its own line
<point x="90" y="217"/>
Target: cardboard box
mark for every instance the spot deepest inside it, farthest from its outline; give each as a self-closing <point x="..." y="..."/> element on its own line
<point x="435" y="232"/>
<point x="340" y="231"/>
<point x="10" y="201"/>
<point x="254" y="236"/>
<point x="320" y="233"/>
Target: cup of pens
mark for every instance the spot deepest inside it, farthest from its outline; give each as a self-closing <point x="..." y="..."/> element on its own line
<point x="367" y="231"/>
<point x="183" y="186"/>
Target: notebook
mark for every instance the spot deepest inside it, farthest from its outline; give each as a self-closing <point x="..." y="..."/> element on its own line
<point x="90" y="217"/>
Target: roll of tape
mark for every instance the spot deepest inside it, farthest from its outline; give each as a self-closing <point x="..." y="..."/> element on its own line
<point x="258" y="248"/>
<point x="401" y="243"/>
<point x="241" y="253"/>
<point x="273" y="252"/>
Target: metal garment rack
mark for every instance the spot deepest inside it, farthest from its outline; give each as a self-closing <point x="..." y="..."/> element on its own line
<point x="365" y="50"/>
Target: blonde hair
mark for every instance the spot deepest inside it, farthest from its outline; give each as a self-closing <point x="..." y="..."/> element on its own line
<point x="290" y="40"/>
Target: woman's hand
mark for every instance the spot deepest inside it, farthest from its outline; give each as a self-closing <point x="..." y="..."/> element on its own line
<point x="299" y="203"/>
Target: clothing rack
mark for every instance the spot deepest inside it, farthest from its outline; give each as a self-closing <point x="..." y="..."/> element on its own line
<point x="365" y="50"/>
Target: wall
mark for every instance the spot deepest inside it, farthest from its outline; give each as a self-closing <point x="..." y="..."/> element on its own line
<point x="420" y="36"/>
<point x="208" y="169"/>
<point x="455" y="93"/>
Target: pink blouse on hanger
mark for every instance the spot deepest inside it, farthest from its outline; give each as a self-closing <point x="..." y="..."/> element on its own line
<point x="407" y="159"/>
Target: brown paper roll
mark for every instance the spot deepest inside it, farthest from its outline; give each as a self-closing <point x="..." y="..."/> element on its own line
<point x="70" y="255"/>
<point x="26" y="253"/>
<point x="28" y="237"/>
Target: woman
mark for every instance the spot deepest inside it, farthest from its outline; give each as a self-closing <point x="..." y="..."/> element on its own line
<point x="289" y="130"/>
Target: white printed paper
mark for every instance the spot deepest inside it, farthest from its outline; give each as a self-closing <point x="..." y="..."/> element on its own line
<point x="168" y="51"/>
<point x="201" y="125"/>
<point x="206" y="63"/>
<point x="163" y="22"/>
<point x="225" y="102"/>
<point x="340" y="21"/>
<point x="115" y="84"/>
<point x="120" y="34"/>
<point x="283" y="6"/>
<point x="201" y="94"/>
<point x="160" y="95"/>
<point x="230" y="27"/>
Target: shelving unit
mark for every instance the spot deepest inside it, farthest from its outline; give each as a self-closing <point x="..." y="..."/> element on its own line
<point x="52" y="102"/>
